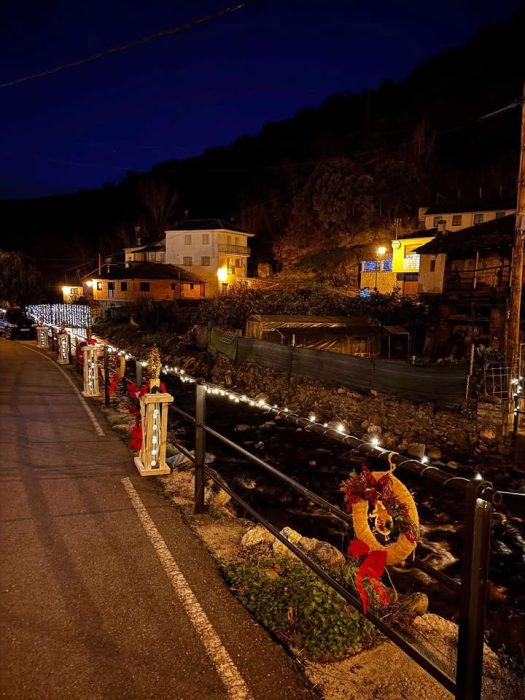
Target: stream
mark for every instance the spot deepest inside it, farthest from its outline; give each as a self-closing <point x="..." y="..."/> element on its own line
<point x="321" y="464"/>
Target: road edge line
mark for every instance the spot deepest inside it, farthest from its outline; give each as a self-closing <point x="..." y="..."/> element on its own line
<point x="98" y="428"/>
<point x="227" y="670"/>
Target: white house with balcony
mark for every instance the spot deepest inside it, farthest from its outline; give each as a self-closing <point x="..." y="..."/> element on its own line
<point x="457" y="215"/>
<point x="214" y="249"/>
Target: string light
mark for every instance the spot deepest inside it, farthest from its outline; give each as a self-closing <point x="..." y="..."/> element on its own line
<point x="235" y="397"/>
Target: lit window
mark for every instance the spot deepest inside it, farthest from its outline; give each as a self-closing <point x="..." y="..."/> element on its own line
<point x="205" y="260"/>
<point x="144" y="287"/>
<point x="478" y="219"/>
<point x="187" y="239"/>
<point x="456" y="220"/>
<point x="205" y="239"/>
<point x="187" y="260"/>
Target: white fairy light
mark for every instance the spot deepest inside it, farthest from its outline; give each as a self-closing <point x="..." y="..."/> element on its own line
<point x="311" y="418"/>
<point x="375" y="441"/>
<point x="424" y="459"/>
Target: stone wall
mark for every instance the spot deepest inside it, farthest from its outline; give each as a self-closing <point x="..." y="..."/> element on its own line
<point x="415" y="428"/>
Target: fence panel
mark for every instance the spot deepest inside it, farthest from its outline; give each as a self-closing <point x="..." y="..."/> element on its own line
<point x="260" y="352"/>
<point x="332" y="367"/>
<point x="444" y="385"/>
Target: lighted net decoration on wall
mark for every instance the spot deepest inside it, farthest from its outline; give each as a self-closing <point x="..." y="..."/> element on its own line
<point x="91" y="379"/>
<point x="63" y="346"/>
<point x="151" y="459"/>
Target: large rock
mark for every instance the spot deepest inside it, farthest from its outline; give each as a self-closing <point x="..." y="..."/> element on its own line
<point x="458" y="437"/>
<point x="324" y="552"/>
<point x="488" y="432"/>
<point x="257" y="535"/>
<point x="416" y="449"/>
<point x="413" y="606"/>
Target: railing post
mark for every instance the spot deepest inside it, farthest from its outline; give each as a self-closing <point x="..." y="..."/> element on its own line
<point x="107" y="401"/>
<point x="138" y="373"/>
<point x="200" y="446"/>
<point x="476" y="555"/>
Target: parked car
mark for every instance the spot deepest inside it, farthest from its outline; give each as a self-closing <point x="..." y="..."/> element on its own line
<point x="15" y="323"/>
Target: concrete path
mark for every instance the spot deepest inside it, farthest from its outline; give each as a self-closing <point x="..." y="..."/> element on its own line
<point x="105" y="591"/>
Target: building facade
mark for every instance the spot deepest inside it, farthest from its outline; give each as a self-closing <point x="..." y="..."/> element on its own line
<point x="117" y="285"/>
<point x="214" y="250"/>
<point x="455" y="216"/>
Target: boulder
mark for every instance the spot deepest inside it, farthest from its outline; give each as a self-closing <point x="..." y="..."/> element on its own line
<point x="292" y="536"/>
<point x="412" y="606"/>
<point x="488" y="432"/>
<point x="459" y="437"/>
<point x="255" y="536"/>
<point x="434" y="453"/>
<point x="242" y="428"/>
<point x="416" y="449"/>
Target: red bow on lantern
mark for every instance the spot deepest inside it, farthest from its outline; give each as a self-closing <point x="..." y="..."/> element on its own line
<point x="373" y="567"/>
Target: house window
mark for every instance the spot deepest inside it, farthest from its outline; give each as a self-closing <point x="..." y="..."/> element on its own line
<point x="478" y="219"/>
<point x="144" y="286"/>
<point x="187" y="260"/>
<point x="99" y="286"/>
<point x="237" y="262"/>
<point x="187" y="239"/>
<point x="436" y="221"/>
<point x="500" y="214"/>
<point x="205" y="239"/>
<point x="456" y="220"/>
<point x="205" y="260"/>
<point x="228" y="240"/>
<point x="123" y="286"/>
<point x="111" y="289"/>
<point x="432" y="266"/>
<point x="192" y="286"/>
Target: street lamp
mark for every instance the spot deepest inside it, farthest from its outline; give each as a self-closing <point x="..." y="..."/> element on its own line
<point x="379" y="254"/>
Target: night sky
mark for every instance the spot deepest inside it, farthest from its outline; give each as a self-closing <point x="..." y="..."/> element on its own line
<point x="174" y="97"/>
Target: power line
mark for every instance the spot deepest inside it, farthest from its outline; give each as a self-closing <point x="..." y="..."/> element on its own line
<point x="131" y="44"/>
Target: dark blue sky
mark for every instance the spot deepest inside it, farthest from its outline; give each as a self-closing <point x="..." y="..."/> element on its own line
<point x="172" y="98"/>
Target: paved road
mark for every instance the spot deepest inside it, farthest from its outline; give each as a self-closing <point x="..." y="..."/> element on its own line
<point x="94" y="564"/>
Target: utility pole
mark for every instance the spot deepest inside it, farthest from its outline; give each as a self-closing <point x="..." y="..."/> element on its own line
<point x="516" y="269"/>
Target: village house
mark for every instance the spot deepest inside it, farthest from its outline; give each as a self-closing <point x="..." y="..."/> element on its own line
<point x="125" y="283"/>
<point x="71" y="292"/>
<point x="396" y="267"/>
<point x="458" y="215"/>
<point x="468" y="272"/>
<point x="215" y="250"/>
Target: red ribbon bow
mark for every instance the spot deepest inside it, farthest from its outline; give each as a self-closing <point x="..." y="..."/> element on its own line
<point x="373" y="567"/>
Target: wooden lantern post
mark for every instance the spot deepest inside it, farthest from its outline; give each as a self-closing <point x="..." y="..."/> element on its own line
<point x="42" y="337"/>
<point x="63" y="346"/>
<point x="151" y="460"/>
<point x="91" y="384"/>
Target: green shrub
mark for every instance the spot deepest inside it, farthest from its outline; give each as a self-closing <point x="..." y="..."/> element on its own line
<point x="299" y="608"/>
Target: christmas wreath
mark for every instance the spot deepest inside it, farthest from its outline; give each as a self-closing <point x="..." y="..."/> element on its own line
<point x="383" y="512"/>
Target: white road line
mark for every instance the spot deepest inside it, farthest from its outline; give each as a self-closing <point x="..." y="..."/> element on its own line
<point x="87" y="409"/>
<point x="227" y="670"/>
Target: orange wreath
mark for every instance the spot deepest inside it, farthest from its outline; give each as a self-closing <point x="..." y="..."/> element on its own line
<point x="359" y="500"/>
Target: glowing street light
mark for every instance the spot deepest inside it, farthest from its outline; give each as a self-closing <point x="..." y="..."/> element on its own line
<point x="381" y="250"/>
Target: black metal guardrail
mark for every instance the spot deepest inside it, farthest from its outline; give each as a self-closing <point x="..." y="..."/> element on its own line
<point x="479" y="499"/>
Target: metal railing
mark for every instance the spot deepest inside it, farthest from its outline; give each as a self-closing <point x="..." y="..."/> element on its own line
<point x="230" y="249"/>
<point x="479" y="498"/>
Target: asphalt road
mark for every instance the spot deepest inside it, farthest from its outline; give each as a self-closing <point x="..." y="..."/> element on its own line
<point x="89" y="605"/>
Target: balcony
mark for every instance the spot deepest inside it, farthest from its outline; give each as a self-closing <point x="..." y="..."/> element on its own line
<point x="481" y="282"/>
<point x="234" y="249"/>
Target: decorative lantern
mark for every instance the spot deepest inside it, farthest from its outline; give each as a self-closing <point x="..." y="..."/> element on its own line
<point x="42" y="337"/>
<point x="63" y="346"/>
<point x="91" y="385"/>
<point x="151" y="460"/>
